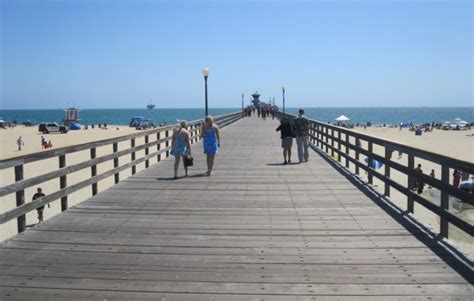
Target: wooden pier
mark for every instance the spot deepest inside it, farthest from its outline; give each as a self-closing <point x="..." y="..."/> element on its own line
<point x="255" y="230"/>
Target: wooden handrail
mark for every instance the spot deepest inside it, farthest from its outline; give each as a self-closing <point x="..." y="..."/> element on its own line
<point x="22" y="182"/>
<point x="465" y="196"/>
<point x="6" y="163"/>
<point x="323" y="137"/>
<point x="423" y="154"/>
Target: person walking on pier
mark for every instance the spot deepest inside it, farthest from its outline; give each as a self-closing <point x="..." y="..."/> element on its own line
<point x="302" y="135"/>
<point x="286" y="134"/>
<point x="39" y="194"/>
<point x="211" y="142"/>
<point x="180" y="146"/>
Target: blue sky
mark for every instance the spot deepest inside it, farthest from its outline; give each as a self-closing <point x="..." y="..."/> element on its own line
<point x="121" y="54"/>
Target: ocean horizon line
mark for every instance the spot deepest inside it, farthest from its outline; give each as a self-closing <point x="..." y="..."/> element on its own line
<point x="239" y="108"/>
<point x="374" y="115"/>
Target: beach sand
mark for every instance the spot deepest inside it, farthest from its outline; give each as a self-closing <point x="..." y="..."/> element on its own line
<point x="456" y="144"/>
<point x="32" y="138"/>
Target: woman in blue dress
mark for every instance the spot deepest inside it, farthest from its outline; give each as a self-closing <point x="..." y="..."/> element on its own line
<point x="180" y="146"/>
<point x="211" y="141"/>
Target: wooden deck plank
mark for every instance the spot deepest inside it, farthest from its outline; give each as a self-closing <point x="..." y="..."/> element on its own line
<point x="240" y="287"/>
<point x="256" y="230"/>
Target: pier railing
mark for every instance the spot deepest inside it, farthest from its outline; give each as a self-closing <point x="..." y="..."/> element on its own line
<point x="349" y="147"/>
<point x="154" y="150"/>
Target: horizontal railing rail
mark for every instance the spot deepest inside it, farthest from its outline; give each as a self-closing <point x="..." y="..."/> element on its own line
<point x="339" y="142"/>
<point x="21" y="182"/>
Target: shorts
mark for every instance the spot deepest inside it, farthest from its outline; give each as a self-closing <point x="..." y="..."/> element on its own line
<point x="40" y="212"/>
<point x="286" y="142"/>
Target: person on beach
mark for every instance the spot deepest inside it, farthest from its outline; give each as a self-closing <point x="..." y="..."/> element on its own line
<point x="39" y="194"/>
<point x="302" y="135"/>
<point x="211" y="142"/>
<point x="43" y="142"/>
<point x="456" y="178"/>
<point x="432" y="174"/>
<point x="419" y="184"/>
<point x="286" y="134"/>
<point x="180" y="146"/>
<point x="20" y="143"/>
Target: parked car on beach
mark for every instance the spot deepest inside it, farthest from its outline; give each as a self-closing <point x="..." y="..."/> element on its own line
<point x="52" y="127"/>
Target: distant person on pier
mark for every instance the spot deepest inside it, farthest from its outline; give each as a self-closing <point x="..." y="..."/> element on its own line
<point x="39" y="194"/>
<point x="211" y="142"/>
<point x="286" y="134"/>
<point x="180" y="146"/>
<point x="302" y="135"/>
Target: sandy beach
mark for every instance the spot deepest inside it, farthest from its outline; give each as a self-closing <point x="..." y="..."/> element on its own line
<point x="32" y="138"/>
<point x="456" y="144"/>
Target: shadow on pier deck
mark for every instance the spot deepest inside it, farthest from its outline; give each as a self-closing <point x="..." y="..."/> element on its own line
<point x="255" y="230"/>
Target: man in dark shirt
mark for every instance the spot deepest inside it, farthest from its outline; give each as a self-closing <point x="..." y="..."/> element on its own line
<point x="287" y="133"/>
<point x="37" y="195"/>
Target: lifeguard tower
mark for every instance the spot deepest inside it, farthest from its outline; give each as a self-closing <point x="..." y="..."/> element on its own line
<point x="72" y="116"/>
<point x="255" y="100"/>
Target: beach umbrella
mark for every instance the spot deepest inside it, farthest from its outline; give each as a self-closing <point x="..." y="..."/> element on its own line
<point x="468" y="184"/>
<point x="373" y="163"/>
<point x="343" y="118"/>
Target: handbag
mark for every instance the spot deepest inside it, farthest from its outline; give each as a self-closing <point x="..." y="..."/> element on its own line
<point x="188" y="161"/>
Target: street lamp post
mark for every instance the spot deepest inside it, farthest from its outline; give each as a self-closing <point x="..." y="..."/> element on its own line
<point x="242" y="105"/>
<point x="283" y="88"/>
<point x="205" y="73"/>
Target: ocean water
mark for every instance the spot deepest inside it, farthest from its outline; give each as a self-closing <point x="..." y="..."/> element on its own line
<point x="379" y="116"/>
<point x="111" y="116"/>
<point x="357" y="115"/>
